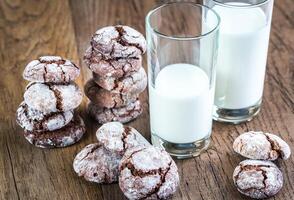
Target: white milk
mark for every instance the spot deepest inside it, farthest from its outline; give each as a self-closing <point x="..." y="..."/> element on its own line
<point x="242" y="54"/>
<point x="181" y="104"/>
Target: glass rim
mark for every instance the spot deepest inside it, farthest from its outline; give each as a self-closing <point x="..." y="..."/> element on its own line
<point x="152" y="11"/>
<point x="218" y="2"/>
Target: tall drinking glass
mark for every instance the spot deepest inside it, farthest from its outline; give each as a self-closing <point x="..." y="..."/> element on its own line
<point x="182" y="51"/>
<point x="243" y="44"/>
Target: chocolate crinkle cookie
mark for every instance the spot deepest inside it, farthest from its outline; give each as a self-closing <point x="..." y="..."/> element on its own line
<point x="66" y="136"/>
<point x="135" y="83"/>
<point x="118" y="42"/>
<point x="49" y="97"/>
<point x="96" y="164"/>
<point x="122" y="114"/>
<point x="51" y="69"/>
<point x="148" y="173"/>
<point x="104" y="98"/>
<point x="258" y="179"/>
<point x="117" y="138"/>
<point x="112" y="67"/>
<point x="35" y="120"/>
<point x="99" y="162"/>
<point x="261" y="146"/>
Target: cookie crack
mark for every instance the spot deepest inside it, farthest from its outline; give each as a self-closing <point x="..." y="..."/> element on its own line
<point x="58" y="97"/>
<point x="274" y="146"/>
<point x="63" y="73"/>
<point x="45" y="73"/>
<point x="125" y="134"/>
<point x="25" y="111"/>
<point x="120" y="39"/>
<point x="90" y="59"/>
<point x="162" y="181"/>
<point x="257" y="168"/>
<point x="92" y="151"/>
<point x="115" y="103"/>
<point x="74" y="65"/>
<point x="124" y="100"/>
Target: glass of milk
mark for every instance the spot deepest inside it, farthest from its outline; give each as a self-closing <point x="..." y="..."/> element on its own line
<point x="243" y="44"/>
<point x="181" y="50"/>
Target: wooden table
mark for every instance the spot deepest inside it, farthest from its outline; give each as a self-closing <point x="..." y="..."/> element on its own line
<point x="29" y="29"/>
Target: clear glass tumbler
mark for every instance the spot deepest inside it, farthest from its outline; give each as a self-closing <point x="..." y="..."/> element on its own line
<point x="182" y="52"/>
<point x="243" y="44"/>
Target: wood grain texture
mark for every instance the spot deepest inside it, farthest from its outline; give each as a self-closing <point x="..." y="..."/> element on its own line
<point x="29" y="29"/>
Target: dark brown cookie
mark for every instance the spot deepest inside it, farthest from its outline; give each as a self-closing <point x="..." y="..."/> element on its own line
<point x="117" y="138"/>
<point x="34" y="120"/>
<point x="258" y="179"/>
<point x="51" y="69"/>
<point x="148" y="173"/>
<point x="118" y="42"/>
<point x="66" y="136"/>
<point x="135" y="83"/>
<point x="97" y="164"/>
<point x="107" y="99"/>
<point x="114" y="67"/>
<point x="47" y="97"/>
<point x="123" y="114"/>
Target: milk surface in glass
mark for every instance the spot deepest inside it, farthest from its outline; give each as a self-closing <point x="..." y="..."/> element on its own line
<point x="181" y="104"/>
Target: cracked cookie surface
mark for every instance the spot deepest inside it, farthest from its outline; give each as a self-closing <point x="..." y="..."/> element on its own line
<point x="258" y="179"/>
<point x="117" y="138"/>
<point x="113" y="67"/>
<point x="148" y="173"/>
<point x="97" y="164"/>
<point x="47" y="97"/>
<point x="104" y="98"/>
<point x="118" y="42"/>
<point x="51" y="69"/>
<point x="35" y="120"/>
<point x="261" y="146"/>
<point x="122" y="114"/>
<point x="135" y="83"/>
<point x="66" y="136"/>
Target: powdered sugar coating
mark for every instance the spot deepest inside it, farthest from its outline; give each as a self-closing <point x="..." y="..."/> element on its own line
<point x="133" y="84"/>
<point x="114" y="67"/>
<point x="148" y="173"/>
<point x="34" y="120"/>
<point x="51" y="69"/>
<point x="105" y="98"/>
<point x="117" y="138"/>
<point x="47" y="97"/>
<point x="122" y="114"/>
<point x="66" y="136"/>
<point x="118" y="42"/>
<point x="261" y="146"/>
<point x="258" y="179"/>
<point x="96" y="164"/>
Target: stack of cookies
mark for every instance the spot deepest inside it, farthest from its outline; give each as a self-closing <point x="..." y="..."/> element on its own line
<point x="47" y="112"/>
<point x="258" y="177"/>
<point x="115" y="58"/>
